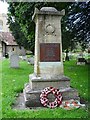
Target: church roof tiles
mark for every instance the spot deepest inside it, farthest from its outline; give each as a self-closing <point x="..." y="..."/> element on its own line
<point x="7" y="38"/>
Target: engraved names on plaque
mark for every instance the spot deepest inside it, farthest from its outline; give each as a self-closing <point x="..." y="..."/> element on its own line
<point x="49" y="52"/>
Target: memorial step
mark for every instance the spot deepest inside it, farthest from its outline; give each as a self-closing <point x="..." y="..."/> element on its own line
<point x="39" y="83"/>
<point x="32" y="98"/>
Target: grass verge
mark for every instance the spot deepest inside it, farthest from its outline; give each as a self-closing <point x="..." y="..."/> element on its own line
<point x="13" y="81"/>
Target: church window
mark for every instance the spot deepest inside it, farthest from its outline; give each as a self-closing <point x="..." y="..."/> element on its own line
<point x="12" y="49"/>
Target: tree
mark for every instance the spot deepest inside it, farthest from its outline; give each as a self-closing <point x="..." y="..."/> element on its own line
<point x="77" y="24"/>
<point x="21" y="24"/>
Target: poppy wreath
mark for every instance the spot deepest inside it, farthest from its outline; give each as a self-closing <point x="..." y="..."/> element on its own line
<point x="44" y="97"/>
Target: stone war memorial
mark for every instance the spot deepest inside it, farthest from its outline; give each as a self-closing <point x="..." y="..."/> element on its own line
<point x="48" y="65"/>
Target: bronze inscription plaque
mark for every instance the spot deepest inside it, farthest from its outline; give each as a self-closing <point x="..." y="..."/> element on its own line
<point x="49" y="52"/>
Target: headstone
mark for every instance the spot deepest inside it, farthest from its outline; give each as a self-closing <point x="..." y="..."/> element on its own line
<point x="24" y="57"/>
<point x="31" y="60"/>
<point x="48" y="65"/>
<point x="80" y="59"/>
<point x="14" y="60"/>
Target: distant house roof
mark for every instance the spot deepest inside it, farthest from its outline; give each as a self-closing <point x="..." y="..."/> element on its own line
<point x="7" y="38"/>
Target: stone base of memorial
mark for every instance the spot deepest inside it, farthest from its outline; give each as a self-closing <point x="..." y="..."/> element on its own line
<point x="34" y="88"/>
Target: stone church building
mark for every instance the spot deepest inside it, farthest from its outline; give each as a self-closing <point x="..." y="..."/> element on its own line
<point x="7" y="41"/>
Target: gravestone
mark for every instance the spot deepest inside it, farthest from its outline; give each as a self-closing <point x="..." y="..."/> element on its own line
<point x="48" y="65"/>
<point x="80" y="59"/>
<point x="31" y="60"/>
<point x="24" y="58"/>
<point x="14" y="60"/>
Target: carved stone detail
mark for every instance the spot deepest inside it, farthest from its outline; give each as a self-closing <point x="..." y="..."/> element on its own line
<point x="50" y="29"/>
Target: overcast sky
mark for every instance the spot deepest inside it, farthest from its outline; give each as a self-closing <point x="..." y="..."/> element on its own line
<point x="3" y="7"/>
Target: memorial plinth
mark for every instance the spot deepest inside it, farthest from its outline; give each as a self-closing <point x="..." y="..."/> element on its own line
<point x="48" y="65"/>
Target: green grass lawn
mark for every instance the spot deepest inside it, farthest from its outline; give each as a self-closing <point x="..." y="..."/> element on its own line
<point x="13" y="81"/>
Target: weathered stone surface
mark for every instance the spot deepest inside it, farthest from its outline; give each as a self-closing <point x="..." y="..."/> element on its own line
<point x="24" y="58"/>
<point x="48" y="31"/>
<point x="52" y="9"/>
<point x="31" y="60"/>
<point x="14" y="61"/>
<point x="39" y="83"/>
<point x="48" y="11"/>
<point x="48" y="62"/>
<point x="32" y="98"/>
